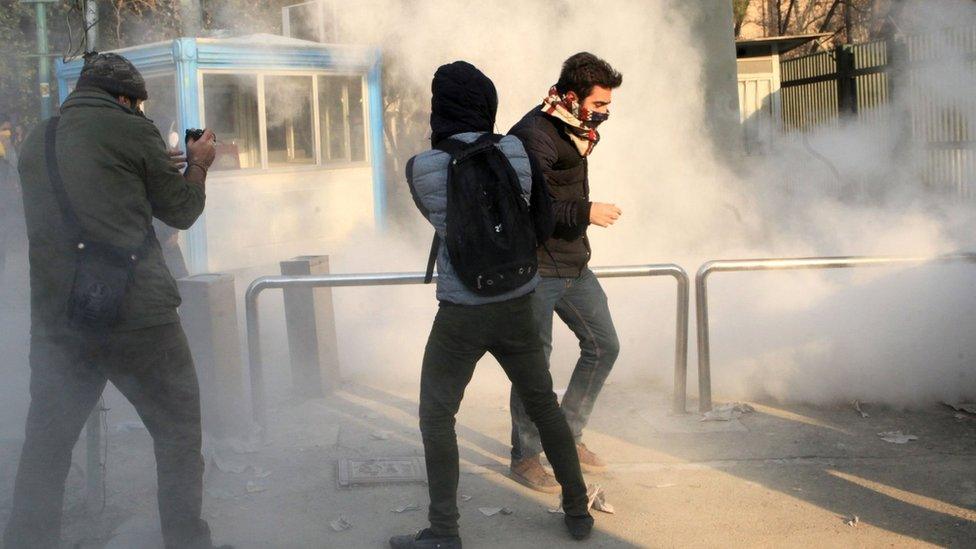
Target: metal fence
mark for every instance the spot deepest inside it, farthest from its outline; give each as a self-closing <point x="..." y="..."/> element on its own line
<point x="255" y="360"/>
<point x="853" y="81"/>
<point x="735" y="265"/>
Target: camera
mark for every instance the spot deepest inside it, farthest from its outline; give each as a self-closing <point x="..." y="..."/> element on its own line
<point x="192" y="133"/>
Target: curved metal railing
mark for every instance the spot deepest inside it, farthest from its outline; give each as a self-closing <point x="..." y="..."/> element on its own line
<point x="719" y="266"/>
<point x="390" y="279"/>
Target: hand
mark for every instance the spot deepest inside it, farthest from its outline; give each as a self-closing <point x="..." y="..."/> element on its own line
<point x="202" y="151"/>
<point x="604" y="215"/>
<point x="177" y="157"/>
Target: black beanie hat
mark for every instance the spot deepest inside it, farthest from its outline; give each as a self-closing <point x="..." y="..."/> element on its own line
<point x="114" y="74"/>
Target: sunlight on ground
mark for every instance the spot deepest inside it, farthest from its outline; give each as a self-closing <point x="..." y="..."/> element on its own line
<point x="908" y="497"/>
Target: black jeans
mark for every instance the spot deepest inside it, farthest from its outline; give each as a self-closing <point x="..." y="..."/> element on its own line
<point x="460" y="336"/>
<point x="582" y="305"/>
<point x="152" y="367"/>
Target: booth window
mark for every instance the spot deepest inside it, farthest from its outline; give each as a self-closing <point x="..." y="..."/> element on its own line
<point x="233" y="106"/>
<point x="230" y="106"/>
<point x="342" y="119"/>
<point x="288" y="108"/>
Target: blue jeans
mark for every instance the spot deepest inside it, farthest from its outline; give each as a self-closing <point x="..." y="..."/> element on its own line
<point x="582" y="305"/>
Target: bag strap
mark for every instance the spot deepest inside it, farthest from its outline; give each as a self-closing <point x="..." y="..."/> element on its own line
<point x="54" y="175"/>
<point x="432" y="260"/>
<point x="451" y="146"/>
<point x="64" y="203"/>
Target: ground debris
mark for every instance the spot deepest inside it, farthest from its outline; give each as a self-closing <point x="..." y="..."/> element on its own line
<point x="852" y="521"/>
<point x="129" y="426"/>
<point x="968" y="407"/>
<point x="465" y="497"/>
<point x="227" y="465"/>
<point x="857" y="407"/>
<point x="253" y="487"/>
<point x="597" y="499"/>
<point x="340" y="524"/>
<point x="727" y="412"/>
<point x="896" y="437"/>
<point x="405" y="508"/>
<point x="492" y="511"/>
<point x="380" y="435"/>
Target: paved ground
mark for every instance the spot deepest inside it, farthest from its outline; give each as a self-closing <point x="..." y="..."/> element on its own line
<point x="782" y="476"/>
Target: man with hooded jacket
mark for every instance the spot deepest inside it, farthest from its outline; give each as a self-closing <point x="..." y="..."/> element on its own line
<point x="117" y="176"/>
<point x="468" y="325"/>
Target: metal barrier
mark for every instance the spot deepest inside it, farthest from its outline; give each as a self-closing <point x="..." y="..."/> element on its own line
<point x="701" y="298"/>
<point x="390" y="279"/>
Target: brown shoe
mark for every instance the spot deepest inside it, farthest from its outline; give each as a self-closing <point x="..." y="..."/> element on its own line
<point x="531" y="473"/>
<point x="589" y="462"/>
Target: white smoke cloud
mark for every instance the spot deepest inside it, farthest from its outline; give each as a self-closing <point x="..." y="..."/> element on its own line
<point x="800" y="336"/>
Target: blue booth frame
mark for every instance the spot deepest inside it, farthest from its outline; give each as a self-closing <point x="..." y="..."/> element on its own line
<point x="184" y="57"/>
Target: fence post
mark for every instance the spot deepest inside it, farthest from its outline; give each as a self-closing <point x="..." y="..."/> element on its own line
<point x="899" y="90"/>
<point x="209" y="316"/>
<point x="846" y="81"/>
<point x="310" y="321"/>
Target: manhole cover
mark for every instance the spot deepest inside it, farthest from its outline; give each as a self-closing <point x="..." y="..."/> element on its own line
<point x="373" y="471"/>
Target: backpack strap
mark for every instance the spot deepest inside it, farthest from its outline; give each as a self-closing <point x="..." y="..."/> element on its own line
<point x="435" y="246"/>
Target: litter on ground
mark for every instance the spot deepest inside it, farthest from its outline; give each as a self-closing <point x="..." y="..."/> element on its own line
<point x="727" y="412"/>
<point x="968" y="407"/>
<point x="129" y="426"/>
<point x="405" y="508"/>
<point x="853" y="521"/>
<point x="896" y="437"/>
<point x="857" y="406"/>
<point x="492" y="511"/>
<point x="340" y="524"/>
<point x="597" y="500"/>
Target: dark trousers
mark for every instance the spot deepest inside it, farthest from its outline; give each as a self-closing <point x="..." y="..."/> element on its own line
<point x="582" y="305"/>
<point x="461" y="335"/>
<point x="152" y="367"/>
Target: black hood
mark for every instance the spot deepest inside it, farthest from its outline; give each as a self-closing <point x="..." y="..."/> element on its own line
<point x="463" y="100"/>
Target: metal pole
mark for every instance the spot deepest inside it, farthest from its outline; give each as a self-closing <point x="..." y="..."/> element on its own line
<point x="91" y="25"/>
<point x="95" y="438"/>
<point x="43" y="63"/>
<point x="256" y="371"/>
<point x="701" y="295"/>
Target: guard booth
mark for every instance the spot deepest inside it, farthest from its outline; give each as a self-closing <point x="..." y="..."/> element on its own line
<point x="299" y="140"/>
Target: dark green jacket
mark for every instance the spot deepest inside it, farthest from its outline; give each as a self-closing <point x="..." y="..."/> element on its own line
<point x="118" y="176"/>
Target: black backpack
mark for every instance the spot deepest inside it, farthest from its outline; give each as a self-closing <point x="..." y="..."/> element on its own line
<point x="490" y="236"/>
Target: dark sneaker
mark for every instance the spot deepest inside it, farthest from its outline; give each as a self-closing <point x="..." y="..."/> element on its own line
<point x="590" y="462"/>
<point x="531" y="473"/>
<point x="425" y="539"/>
<point x="579" y="527"/>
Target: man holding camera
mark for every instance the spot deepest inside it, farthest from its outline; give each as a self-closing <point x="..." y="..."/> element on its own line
<point x="94" y="178"/>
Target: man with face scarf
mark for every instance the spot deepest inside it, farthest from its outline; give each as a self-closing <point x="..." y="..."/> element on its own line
<point x="561" y="134"/>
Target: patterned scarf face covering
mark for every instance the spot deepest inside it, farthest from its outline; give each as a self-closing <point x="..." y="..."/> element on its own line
<point x="581" y="123"/>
